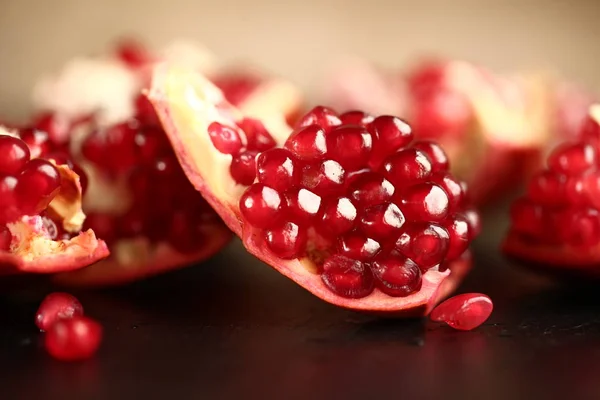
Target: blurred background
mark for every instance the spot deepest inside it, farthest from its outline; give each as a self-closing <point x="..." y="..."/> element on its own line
<point x="297" y="39"/>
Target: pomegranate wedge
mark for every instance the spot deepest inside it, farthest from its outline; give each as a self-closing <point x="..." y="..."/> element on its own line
<point x="345" y="205"/>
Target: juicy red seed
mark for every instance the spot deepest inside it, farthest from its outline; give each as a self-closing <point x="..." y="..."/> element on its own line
<point x="425" y="244"/>
<point x="5" y="238"/>
<point x="442" y="113"/>
<point x="94" y="149"/>
<point x="577" y="227"/>
<point x="389" y="135"/>
<point x="474" y="220"/>
<point x="286" y="241"/>
<point x="303" y="206"/>
<point x="9" y="204"/>
<point x="14" y="154"/>
<point x="103" y="225"/>
<point x="134" y="54"/>
<point x="144" y="111"/>
<point x="37" y="140"/>
<point x="356" y="118"/>
<point x="38" y="184"/>
<point x="347" y="277"/>
<point x="325" y="178"/>
<point x="185" y="232"/>
<point x="357" y="247"/>
<point x="73" y="339"/>
<point x="243" y="167"/>
<point x="226" y="139"/>
<point x="382" y="222"/>
<point x="258" y="137"/>
<point x="323" y="116"/>
<point x="350" y="145"/>
<point x="591" y="189"/>
<point x="425" y="202"/>
<point x="236" y="86"/>
<point x="458" y="233"/>
<point x="261" y="205"/>
<point x="464" y="312"/>
<point x="278" y="168"/>
<point x="548" y="188"/>
<point x="149" y="144"/>
<point x="526" y="217"/>
<point x="339" y="216"/>
<point x="396" y="275"/>
<point x="407" y="167"/>
<point x="590" y="131"/>
<point x="58" y="127"/>
<point x="436" y="155"/>
<point x="308" y="143"/>
<point x="370" y="189"/>
<point x="452" y="187"/>
<point x="56" y="306"/>
<point x="572" y="159"/>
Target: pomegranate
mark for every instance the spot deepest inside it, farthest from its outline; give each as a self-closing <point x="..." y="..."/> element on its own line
<point x="556" y="224"/>
<point x="57" y="306"/>
<point x="40" y="207"/>
<point x="464" y="312"/>
<point x="355" y="212"/>
<point x="73" y="339"/>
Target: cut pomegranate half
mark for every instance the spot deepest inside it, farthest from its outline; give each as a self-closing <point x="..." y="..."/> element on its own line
<point x="555" y="226"/>
<point x="40" y="209"/>
<point x="372" y="226"/>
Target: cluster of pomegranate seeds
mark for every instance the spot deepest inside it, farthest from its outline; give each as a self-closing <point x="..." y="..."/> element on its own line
<point x="236" y="87"/>
<point x="166" y="207"/>
<point x="464" y="312"/>
<point x="561" y="205"/>
<point x="70" y="336"/>
<point x="371" y="207"/>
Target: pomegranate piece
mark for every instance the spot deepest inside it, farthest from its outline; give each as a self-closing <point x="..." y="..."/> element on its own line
<point x="73" y="339"/>
<point x="464" y="312"/>
<point x="57" y="306"/>
<point x="340" y="239"/>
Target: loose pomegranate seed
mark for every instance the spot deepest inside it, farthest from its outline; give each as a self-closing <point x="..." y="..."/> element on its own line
<point x="308" y="143"/>
<point x="572" y="159"/>
<point x="382" y="222"/>
<point x="243" y="167"/>
<point x="435" y="154"/>
<point x="322" y="116"/>
<point x="407" y="167"/>
<point x="339" y="216"/>
<point x="261" y="205"/>
<point x="287" y="241"/>
<point x="464" y="312"/>
<point x="458" y="233"/>
<point x="370" y="189"/>
<point x="397" y="276"/>
<point x="225" y="138"/>
<point x="73" y="339"/>
<point x="258" y="137"/>
<point x="346" y="277"/>
<point x="38" y="183"/>
<point x="5" y="238"/>
<point x="425" y="244"/>
<point x="358" y="247"/>
<point x="350" y="145"/>
<point x="303" y="206"/>
<point x="278" y="168"/>
<point x="14" y="154"/>
<point x="325" y="179"/>
<point x="356" y="118"/>
<point x="56" y="306"/>
<point x="425" y="202"/>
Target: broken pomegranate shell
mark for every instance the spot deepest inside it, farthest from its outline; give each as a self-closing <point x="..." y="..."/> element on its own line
<point x="287" y="223"/>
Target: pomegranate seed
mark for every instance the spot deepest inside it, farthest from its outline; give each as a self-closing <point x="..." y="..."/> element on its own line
<point x="56" y="306"/>
<point x="464" y="312"/>
<point x="261" y="205"/>
<point x="226" y="139"/>
<point x="323" y="116"/>
<point x="14" y="154"/>
<point x="458" y="233"/>
<point x="286" y="241"/>
<point x="371" y="189"/>
<point x="435" y="154"/>
<point x="133" y="54"/>
<point x="258" y="137"/>
<point x="358" y="247"/>
<point x="103" y="225"/>
<point x="350" y="145"/>
<point x="453" y="189"/>
<point x="185" y="232"/>
<point x="278" y="168"/>
<point x="425" y="202"/>
<point x="577" y="227"/>
<point x="382" y="222"/>
<point x="5" y="238"/>
<point x="356" y="118"/>
<point x="547" y="188"/>
<point x="237" y="87"/>
<point x="572" y="159"/>
<point x="302" y="205"/>
<point x="474" y="221"/>
<point x="389" y="134"/>
<point x="407" y="167"/>
<point x="9" y="205"/>
<point x="526" y="217"/>
<point x="73" y="339"/>
<point x="325" y="179"/>
<point x="38" y="184"/>
<point x="339" y="216"/>
<point x="442" y="112"/>
<point x="56" y="126"/>
<point x="590" y="132"/>
<point x="243" y="167"/>
<point x="94" y="149"/>
<point x="37" y="140"/>
<point x="308" y="143"/>
<point x="144" y="111"/>
<point x="425" y="244"/>
<point x="346" y="277"/>
<point x="396" y="276"/>
<point x="149" y="143"/>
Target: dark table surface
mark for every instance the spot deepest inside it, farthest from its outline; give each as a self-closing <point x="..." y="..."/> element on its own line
<point x="234" y="328"/>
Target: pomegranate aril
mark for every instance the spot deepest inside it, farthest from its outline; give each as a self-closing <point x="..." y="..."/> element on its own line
<point x="464" y="312"/>
<point x="149" y="144"/>
<point x="103" y="225"/>
<point x="382" y="222"/>
<point x="236" y="87"/>
<point x="133" y="54"/>
<point x="145" y="112"/>
<point x="261" y="206"/>
<point x="5" y="238"/>
<point x="396" y="275"/>
<point x="243" y="167"/>
<point x="308" y="143"/>
<point x="577" y="227"/>
<point x="184" y="231"/>
<point x="548" y="188"/>
<point x="14" y="154"/>
<point x="435" y="154"/>
<point x="38" y="141"/>
<point x="452" y="187"/>
<point x="322" y="116"/>
<point x="56" y="126"/>
<point x="258" y="137"/>
<point x="407" y="167"/>
<point x="303" y="206"/>
<point x="347" y="277"/>
<point x="389" y="135"/>
<point x="9" y="204"/>
<point x="287" y="240"/>
<point x="56" y="306"/>
<point x="325" y="178"/>
<point x="339" y="216"/>
<point x="358" y="247"/>
<point x="474" y="220"/>
<point x="526" y="217"/>
<point x="425" y="244"/>
<point x="458" y="234"/>
<point x="226" y="139"/>
<point x="350" y="145"/>
<point x="37" y="185"/>
<point x="572" y="159"/>
<point x="73" y="339"/>
<point x="356" y="118"/>
<point x="424" y="202"/>
<point x="370" y="189"/>
<point x="278" y="169"/>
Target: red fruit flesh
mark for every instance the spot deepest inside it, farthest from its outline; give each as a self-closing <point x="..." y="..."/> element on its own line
<point x="73" y="339"/>
<point x="464" y="312"/>
<point x="287" y="237"/>
<point x="57" y="306"/>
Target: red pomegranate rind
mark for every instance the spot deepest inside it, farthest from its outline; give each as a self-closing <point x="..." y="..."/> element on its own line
<point x="187" y="104"/>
